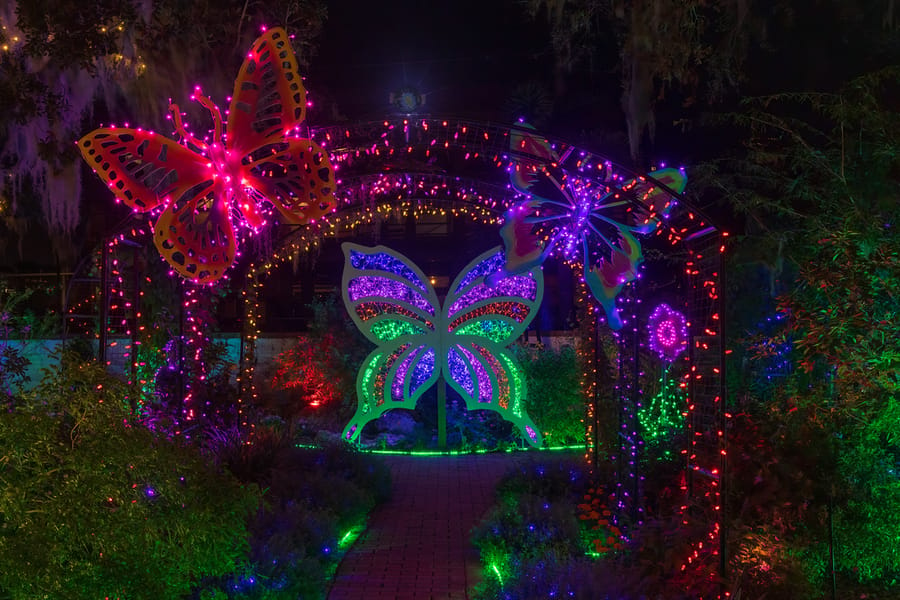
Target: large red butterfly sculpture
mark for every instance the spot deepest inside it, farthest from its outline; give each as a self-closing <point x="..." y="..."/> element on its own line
<point x="201" y="188"/>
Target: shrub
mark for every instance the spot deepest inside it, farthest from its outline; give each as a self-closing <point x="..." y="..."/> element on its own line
<point x="530" y="542"/>
<point x="13" y="363"/>
<point x="551" y="535"/>
<point x="313" y="498"/>
<point x="556" y="401"/>
<point x="95" y="506"/>
<point x="304" y="369"/>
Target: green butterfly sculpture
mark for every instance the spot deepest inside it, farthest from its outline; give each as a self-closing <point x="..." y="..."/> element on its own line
<point x="395" y="305"/>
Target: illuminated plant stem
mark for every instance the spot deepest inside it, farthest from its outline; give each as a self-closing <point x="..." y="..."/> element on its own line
<point x="665" y="383"/>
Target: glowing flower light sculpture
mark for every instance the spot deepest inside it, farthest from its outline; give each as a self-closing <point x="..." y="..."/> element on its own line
<point x="253" y="162"/>
<point x="581" y="217"/>
<point x="668" y="333"/>
<point x="419" y="340"/>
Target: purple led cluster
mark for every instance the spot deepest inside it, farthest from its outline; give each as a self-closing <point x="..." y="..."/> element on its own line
<point x="459" y="371"/>
<point x="382" y="261"/>
<point x="485" y="392"/>
<point x="489" y="265"/>
<point x="397" y="384"/>
<point x="422" y="370"/>
<point x="518" y="286"/>
<point x="421" y="363"/>
<point x="371" y="286"/>
<point x="668" y="333"/>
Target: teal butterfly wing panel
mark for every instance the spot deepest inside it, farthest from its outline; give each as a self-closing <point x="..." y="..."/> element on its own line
<point x="395" y="306"/>
<point x="482" y="320"/>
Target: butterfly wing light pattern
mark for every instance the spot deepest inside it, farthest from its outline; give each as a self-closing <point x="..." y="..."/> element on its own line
<point x="267" y="107"/>
<point x="483" y="318"/>
<point x="148" y="172"/>
<point x="395" y="306"/>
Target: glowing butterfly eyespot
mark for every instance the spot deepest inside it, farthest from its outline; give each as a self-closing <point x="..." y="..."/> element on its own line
<point x="189" y="181"/>
<point x="581" y="219"/>
<point x="419" y="340"/>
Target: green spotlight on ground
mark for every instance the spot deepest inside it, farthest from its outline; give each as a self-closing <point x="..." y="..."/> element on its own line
<point x="348" y="538"/>
<point x="497" y="571"/>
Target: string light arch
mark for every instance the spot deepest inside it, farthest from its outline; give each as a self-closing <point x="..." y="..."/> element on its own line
<point x="425" y="166"/>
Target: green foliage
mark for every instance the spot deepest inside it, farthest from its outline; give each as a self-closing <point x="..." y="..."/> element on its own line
<point x="819" y="188"/>
<point x="552" y="534"/>
<point x="532" y="537"/>
<point x="12" y="372"/>
<point x="867" y="520"/>
<point x="92" y="505"/>
<point x="18" y="325"/>
<point x="313" y="498"/>
<point x="555" y="402"/>
<point x="343" y="348"/>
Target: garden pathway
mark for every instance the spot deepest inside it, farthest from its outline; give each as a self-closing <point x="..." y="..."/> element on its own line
<point x="417" y="546"/>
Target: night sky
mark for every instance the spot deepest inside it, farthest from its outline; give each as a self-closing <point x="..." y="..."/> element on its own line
<point x="465" y="56"/>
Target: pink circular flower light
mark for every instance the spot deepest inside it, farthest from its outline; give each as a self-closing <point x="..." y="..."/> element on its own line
<point x="668" y="332"/>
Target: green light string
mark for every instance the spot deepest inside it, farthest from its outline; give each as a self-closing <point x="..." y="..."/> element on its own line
<point x="663" y="414"/>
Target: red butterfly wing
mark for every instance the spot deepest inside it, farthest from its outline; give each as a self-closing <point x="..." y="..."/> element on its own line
<point x="146" y="170"/>
<point x="297" y="177"/>
<point x="197" y="237"/>
<point x="269" y="98"/>
<point x="142" y="168"/>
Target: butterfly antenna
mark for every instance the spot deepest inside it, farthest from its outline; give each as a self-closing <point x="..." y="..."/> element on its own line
<point x="186" y="137"/>
<point x="213" y="109"/>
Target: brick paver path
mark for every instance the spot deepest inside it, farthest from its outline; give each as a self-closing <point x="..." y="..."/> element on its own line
<point x="417" y="544"/>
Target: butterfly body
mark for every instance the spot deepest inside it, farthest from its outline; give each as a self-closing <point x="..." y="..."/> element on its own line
<point x="202" y="190"/>
<point x="420" y="340"/>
